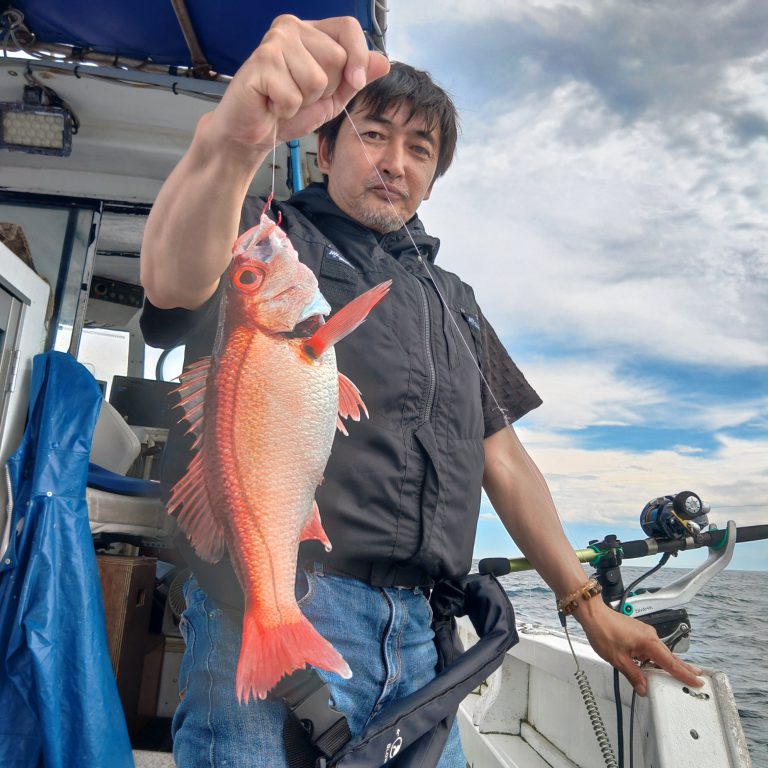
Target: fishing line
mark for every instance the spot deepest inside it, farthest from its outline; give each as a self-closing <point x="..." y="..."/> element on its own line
<point x="274" y="161"/>
<point x="429" y="273"/>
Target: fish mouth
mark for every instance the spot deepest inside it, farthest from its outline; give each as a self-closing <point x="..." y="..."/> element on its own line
<point x="317" y="306"/>
<point x="305" y="328"/>
<point x="311" y="317"/>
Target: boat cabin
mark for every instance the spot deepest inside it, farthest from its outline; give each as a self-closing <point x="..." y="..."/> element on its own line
<point x="98" y="102"/>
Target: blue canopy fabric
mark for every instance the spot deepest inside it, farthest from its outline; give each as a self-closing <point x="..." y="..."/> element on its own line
<point x="59" y="705"/>
<point x="228" y="30"/>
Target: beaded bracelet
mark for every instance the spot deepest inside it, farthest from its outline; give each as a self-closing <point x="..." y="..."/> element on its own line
<point x="568" y="604"/>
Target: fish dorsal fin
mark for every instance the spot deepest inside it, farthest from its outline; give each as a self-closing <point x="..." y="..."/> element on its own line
<point x="189" y="499"/>
<point x="191" y="392"/>
<point x="195" y="517"/>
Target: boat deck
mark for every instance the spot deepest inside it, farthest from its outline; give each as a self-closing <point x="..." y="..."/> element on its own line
<point x="144" y="759"/>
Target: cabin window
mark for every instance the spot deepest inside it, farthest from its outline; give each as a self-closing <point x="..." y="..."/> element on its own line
<point x="58" y="236"/>
<point x="170" y="367"/>
<point x="105" y="353"/>
<point x="10" y="312"/>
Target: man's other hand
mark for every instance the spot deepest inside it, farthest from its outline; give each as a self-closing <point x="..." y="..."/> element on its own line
<point x="623" y="642"/>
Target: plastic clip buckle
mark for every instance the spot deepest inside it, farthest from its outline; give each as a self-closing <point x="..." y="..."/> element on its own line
<point x="308" y="700"/>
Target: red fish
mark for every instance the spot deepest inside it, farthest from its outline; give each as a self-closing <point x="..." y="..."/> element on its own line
<point x="264" y="408"/>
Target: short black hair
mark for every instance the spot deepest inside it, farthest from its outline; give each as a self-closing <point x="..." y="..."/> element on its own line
<point x="425" y="99"/>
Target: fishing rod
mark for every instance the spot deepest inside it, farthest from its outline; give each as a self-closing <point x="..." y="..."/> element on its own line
<point x="715" y="538"/>
<point x="674" y="523"/>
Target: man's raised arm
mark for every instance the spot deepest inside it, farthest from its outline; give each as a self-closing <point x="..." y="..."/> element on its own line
<point x="302" y="74"/>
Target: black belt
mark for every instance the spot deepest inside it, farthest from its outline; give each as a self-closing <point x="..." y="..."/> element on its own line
<point x="376" y="574"/>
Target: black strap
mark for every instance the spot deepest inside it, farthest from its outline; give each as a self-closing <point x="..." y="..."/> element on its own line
<point x="415" y="728"/>
<point x="309" y="701"/>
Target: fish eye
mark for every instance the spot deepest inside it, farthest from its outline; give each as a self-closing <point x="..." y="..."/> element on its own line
<point x="247" y="279"/>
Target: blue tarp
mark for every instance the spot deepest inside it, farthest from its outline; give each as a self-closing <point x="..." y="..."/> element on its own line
<point x="227" y="30"/>
<point x="59" y="705"/>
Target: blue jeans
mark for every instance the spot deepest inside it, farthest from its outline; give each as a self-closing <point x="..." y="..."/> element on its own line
<point x="384" y="635"/>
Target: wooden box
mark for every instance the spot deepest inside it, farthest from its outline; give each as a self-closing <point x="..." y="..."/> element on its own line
<point x="127" y="584"/>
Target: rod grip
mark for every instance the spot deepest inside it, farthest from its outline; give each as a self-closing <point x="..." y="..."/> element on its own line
<point x="638" y="548"/>
<point x="498" y="566"/>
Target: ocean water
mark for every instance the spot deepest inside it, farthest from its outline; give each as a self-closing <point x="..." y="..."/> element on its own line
<point x="729" y="633"/>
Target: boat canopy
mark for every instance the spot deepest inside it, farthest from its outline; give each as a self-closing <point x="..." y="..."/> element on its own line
<point x="181" y="33"/>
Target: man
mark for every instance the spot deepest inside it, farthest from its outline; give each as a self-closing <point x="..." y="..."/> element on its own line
<point x="401" y="494"/>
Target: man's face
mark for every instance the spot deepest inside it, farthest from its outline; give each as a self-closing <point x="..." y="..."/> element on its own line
<point x="404" y="153"/>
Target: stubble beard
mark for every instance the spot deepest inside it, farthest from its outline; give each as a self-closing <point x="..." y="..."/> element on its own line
<point x="381" y="218"/>
<point x="380" y="221"/>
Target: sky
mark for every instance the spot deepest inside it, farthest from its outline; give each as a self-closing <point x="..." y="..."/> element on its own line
<point x="608" y="204"/>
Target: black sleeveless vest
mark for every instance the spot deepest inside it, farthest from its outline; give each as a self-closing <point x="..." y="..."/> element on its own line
<point x="401" y="495"/>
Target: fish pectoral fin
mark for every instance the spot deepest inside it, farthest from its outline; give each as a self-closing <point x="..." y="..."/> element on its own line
<point x="351" y="405"/>
<point x="189" y="498"/>
<point x="314" y="529"/>
<point x="191" y="392"/>
<point x="344" y="321"/>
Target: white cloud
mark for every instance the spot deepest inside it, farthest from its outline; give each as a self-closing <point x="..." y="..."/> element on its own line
<point x="612" y="486"/>
<point x="721" y="416"/>
<point x="687" y="449"/>
<point x="589" y="391"/>
<point x="409" y="13"/>
<point x="611" y="177"/>
<point x="662" y="56"/>
<point x="745" y="80"/>
<point x="582" y="393"/>
<point x="580" y="227"/>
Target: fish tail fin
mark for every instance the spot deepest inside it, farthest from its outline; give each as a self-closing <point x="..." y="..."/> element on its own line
<point x="344" y="321"/>
<point x="269" y="653"/>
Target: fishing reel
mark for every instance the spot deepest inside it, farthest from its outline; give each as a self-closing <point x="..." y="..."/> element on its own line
<point x="674" y="517"/>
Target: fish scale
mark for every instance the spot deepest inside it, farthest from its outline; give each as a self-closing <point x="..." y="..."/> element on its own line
<point x="276" y="506"/>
